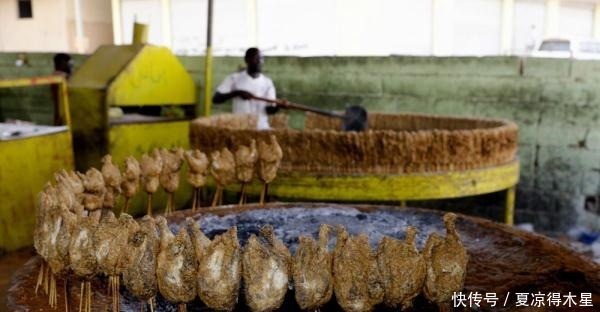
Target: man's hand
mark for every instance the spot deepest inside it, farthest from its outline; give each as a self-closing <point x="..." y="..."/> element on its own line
<point x="271" y="109"/>
<point x="243" y="94"/>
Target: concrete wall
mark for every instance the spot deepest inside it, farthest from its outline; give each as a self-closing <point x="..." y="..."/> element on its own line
<point x="52" y="27"/>
<point x="96" y="25"/>
<point x="46" y="31"/>
<point x="556" y="104"/>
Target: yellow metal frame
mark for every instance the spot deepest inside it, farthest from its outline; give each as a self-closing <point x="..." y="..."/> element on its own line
<point x="44" y="80"/>
<point x="28" y="164"/>
<point x="422" y="186"/>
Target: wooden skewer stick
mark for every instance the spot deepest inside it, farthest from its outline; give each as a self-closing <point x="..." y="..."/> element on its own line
<point x="89" y="296"/>
<point x="182" y="307"/>
<point x="65" y="286"/>
<point x="263" y="194"/>
<point x="126" y="206"/>
<point x="170" y="204"/>
<point x="149" y="207"/>
<point x="218" y="195"/>
<point x="46" y="279"/>
<point x="444" y="307"/>
<point x="194" y="199"/>
<point x="52" y="298"/>
<point x="40" y="278"/>
<point x="81" y="294"/>
<point x="243" y="194"/>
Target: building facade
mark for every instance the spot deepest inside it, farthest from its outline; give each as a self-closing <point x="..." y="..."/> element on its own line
<point x="55" y="25"/>
<point x="360" y="27"/>
<point x="305" y="28"/>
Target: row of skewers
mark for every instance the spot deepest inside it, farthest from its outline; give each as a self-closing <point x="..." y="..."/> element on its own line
<point x="77" y="234"/>
<point x="150" y="259"/>
<point x="79" y="200"/>
<point x="99" y="189"/>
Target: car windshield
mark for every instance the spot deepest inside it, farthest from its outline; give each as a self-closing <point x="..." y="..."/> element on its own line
<point x="555" y="45"/>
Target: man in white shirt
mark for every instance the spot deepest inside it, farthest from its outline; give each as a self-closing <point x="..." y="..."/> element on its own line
<point x="243" y="85"/>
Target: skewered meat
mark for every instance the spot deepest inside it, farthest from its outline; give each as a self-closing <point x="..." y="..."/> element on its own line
<point x="176" y="265"/>
<point x="82" y="249"/>
<point x="245" y="161"/>
<point x="446" y="264"/>
<point x="198" y="168"/>
<point x="112" y="180"/>
<point x="269" y="159"/>
<point x="44" y="225"/>
<point x="66" y="196"/>
<point x="222" y="167"/>
<point x="60" y="236"/>
<point x="131" y="177"/>
<point x="63" y="227"/>
<point x="356" y="280"/>
<point x="313" y="280"/>
<point x="219" y="267"/>
<point x="131" y="180"/>
<point x="82" y="255"/>
<point x="402" y="269"/>
<point x="199" y="240"/>
<point x="151" y="167"/>
<point x="169" y="175"/>
<point x="71" y="181"/>
<point x="266" y="271"/>
<point x="111" y="239"/>
<point x="140" y="274"/>
<point x="93" y="183"/>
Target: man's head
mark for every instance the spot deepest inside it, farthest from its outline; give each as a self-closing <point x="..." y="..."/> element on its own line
<point x="62" y="62"/>
<point x="253" y="60"/>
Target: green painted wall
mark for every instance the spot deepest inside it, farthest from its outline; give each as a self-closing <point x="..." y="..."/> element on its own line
<point x="555" y="102"/>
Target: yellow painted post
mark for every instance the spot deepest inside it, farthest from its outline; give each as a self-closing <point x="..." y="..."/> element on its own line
<point x="140" y="33"/>
<point x="509" y="211"/>
<point x="208" y="82"/>
<point x="64" y="100"/>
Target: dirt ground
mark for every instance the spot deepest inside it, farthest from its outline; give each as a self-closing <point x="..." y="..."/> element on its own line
<point x="8" y="265"/>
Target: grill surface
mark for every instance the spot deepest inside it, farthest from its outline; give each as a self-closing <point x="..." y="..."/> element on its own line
<point x="502" y="259"/>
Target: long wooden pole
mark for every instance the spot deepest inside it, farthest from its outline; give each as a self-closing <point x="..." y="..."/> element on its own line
<point x="208" y="62"/>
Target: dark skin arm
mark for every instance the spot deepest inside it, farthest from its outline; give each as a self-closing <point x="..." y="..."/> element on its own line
<point x="219" y="98"/>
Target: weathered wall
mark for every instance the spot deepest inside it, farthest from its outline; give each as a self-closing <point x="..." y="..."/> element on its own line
<point x="556" y="104"/>
<point x="52" y="27"/>
<point x="32" y="103"/>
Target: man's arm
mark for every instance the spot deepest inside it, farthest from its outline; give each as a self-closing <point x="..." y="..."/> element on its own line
<point x="219" y="97"/>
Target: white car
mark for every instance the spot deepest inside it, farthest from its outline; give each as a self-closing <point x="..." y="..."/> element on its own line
<point x="568" y="48"/>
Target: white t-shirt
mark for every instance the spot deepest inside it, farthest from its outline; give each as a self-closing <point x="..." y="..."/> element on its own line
<point x="261" y="86"/>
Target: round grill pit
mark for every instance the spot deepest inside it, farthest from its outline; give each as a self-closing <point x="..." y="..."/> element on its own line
<point x="501" y="259"/>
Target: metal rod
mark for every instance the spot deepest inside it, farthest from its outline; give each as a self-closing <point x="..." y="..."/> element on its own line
<point x="301" y="107"/>
<point x="208" y="62"/>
